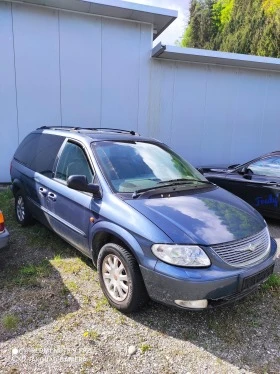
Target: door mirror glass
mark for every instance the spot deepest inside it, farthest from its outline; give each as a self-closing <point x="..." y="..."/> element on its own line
<point x="79" y="183"/>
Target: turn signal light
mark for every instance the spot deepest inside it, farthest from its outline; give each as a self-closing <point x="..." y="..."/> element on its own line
<point x="2" y="222"/>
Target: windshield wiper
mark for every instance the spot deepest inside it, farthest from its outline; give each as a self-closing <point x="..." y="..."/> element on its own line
<point x="174" y="182"/>
<point x="171" y="182"/>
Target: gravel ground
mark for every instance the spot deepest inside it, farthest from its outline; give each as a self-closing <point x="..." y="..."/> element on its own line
<point x="54" y="319"/>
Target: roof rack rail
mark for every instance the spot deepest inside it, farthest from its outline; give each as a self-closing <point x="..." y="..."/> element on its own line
<point x="59" y="128"/>
<point x="100" y="129"/>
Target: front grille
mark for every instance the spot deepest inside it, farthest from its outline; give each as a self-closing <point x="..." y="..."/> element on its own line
<point x="246" y="251"/>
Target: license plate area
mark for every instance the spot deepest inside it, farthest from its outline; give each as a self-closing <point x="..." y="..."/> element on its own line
<point x="254" y="279"/>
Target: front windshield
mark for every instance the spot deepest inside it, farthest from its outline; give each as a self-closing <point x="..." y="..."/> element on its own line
<point x="133" y="166"/>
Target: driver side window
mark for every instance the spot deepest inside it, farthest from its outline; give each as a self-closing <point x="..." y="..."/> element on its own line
<point x="269" y="166"/>
<point x="73" y="161"/>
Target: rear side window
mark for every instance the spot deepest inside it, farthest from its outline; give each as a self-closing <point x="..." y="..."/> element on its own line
<point x="39" y="151"/>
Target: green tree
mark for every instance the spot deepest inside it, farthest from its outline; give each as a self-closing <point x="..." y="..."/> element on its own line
<point x="250" y="27"/>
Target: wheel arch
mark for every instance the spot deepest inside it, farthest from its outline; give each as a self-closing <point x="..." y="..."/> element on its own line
<point x="17" y="186"/>
<point x="109" y="232"/>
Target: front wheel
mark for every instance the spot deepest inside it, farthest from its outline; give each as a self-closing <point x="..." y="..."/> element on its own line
<point x="23" y="215"/>
<point x="120" y="278"/>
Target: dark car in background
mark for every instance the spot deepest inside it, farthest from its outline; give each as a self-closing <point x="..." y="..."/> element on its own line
<point x="4" y="234"/>
<point x="256" y="181"/>
<point x="150" y="222"/>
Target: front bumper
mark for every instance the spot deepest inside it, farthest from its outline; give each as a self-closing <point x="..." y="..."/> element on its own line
<point x="167" y="283"/>
<point x="4" y="238"/>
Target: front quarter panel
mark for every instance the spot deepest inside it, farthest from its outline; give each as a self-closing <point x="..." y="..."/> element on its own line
<point x="134" y="229"/>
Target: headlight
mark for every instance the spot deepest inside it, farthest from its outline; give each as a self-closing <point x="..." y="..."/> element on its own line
<point x="181" y="255"/>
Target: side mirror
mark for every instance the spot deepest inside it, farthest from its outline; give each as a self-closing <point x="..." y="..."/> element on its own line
<point x="79" y="183"/>
<point x="242" y="171"/>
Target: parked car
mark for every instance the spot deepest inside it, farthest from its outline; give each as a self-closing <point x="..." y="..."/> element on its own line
<point x="150" y="222"/>
<point x="4" y="234"/>
<point x="256" y="181"/>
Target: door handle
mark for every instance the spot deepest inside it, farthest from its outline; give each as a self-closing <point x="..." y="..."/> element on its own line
<point x="272" y="183"/>
<point x="43" y="191"/>
<point x="52" y="196"/>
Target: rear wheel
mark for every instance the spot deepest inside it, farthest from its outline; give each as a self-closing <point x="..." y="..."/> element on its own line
<point x="23" y="215"/>
<point x="120" y="278"/>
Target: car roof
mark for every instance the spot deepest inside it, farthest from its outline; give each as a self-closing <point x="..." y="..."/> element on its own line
<point x="95" y="134"/>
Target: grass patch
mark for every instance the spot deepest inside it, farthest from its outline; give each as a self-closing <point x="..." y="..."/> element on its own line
<point x="10" y="321"/>
<point x="5" y="198"/>
<point x="101" y="304"/>
<point x="68" y="265"/>
<point x="272" y="283"/>
<point x="91" y="335"/>
<point x="145" y="347"/>
<point x="71" y="286"/>
<point x="30" y="274"/>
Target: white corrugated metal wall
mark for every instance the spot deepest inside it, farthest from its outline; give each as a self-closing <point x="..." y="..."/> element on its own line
<point x="65" y="68"/>
<point x="214" y="114"/>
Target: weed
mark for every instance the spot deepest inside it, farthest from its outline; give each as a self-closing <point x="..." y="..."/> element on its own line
<point x="121" y="320"/>
<point x="272" y="283"/>
<point x="101" y="304"/>
<point x="86" y="299"/>
<point x="145" y="347"/>
<point x="10" y="321"/>
<point x="72" y="286"/>
<point x="91" y="335"/>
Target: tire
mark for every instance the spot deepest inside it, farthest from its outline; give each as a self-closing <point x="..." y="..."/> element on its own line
<point x="23" y="215"/>
<point x="124" y="290"/>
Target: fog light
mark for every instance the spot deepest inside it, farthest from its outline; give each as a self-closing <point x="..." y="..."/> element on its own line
<point x="192" y="304"/>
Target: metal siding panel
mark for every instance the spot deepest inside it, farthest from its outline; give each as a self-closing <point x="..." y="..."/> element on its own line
<point x="246" y="136"/>
<point x="80" y="62"/>
<point x="144" y="77"/>
<point x="37" y="67"/>
<point x="162" y="101"/>
<point x="188" y="109"/>
<point x="270" y="134"/>
<point x="8" y="109"/>
<point x="120" y="74"/>
<point x="219" y="114"/>
<point x="219" y="117"/>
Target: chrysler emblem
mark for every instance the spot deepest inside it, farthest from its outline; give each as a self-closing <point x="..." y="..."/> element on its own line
<point x="251" y="247"/>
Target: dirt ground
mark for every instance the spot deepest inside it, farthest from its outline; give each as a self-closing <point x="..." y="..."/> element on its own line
<point x="54" y="319"/>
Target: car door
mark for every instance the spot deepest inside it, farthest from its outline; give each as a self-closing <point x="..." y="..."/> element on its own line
<point x="72" y="212"/>
<point x="258" y="183"/>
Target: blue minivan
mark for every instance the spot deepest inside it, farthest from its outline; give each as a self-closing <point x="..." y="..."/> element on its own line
<point x="151" y="223"/>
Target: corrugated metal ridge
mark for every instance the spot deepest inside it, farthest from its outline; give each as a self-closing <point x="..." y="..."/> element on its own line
<point x="215" y="58"/>
<point x="160" y="18"/>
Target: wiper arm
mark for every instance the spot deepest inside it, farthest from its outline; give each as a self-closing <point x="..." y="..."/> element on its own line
<point x="138" y="192"/>
<point x="173" y="182"/>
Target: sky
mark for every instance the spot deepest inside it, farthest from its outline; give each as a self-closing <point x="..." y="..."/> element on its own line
<point x="176" y="29"/>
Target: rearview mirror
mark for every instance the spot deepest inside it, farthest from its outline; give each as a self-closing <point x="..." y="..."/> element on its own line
<point x="79" y="183"/>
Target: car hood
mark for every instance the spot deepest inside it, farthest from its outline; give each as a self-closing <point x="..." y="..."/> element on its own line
<point x="204" y="218"/>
